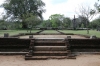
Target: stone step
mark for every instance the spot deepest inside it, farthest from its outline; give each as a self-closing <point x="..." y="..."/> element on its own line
<point x="13" y="53"/>
<point x="45" y="57"/>
<point x="71" y="56"/>
<point x="50" y="48"/>
<point x="49" y="39"/>
<point x="49" y="44"/>
<point x="11" y="49"/>
<point x="50" y="53"/>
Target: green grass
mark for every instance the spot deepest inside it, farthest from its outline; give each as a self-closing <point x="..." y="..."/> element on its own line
<point x="14" y="32"/>
<point x="49" y="31"/>
<point x="83" y="32"/>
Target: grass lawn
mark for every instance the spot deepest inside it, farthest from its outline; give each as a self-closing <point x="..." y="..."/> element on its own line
<point x="83" y="32"/>
<point x="50" y="31"/>
<point x="14" y="32"/>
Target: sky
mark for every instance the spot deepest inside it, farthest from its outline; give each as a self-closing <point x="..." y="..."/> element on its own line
<point x="1" y="9"/>
<point x="65" y="7"/>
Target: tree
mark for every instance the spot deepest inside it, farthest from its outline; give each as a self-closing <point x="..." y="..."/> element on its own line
<point x="47" y="23"/>
<point x="83" y="20"/>
<point x="56" y="20"/>
<point x="95" y="23"/>
<point x="18" y="8"/>
<point x="31" y="20"/>
<point x="97" y="6"/>
<point x="86" y="12"/>
<point x="67" y="22"/>
<point x="82" y="25"/>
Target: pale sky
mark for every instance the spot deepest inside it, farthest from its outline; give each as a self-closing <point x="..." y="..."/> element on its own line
<point x="1" y="9"/>
<point x="65" y="7"/>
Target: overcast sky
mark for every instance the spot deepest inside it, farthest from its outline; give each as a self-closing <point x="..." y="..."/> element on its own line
<point x="1" y="9"/>
<point x="65" y="7"/>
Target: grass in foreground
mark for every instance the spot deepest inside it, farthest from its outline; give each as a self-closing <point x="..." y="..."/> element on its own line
<point x="14" y="32"/>
<point x="83" y="32"/>
<point x="50" y="31"/>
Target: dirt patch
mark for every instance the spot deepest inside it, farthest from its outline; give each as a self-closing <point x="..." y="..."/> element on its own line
<point x="53" y="36"/>
<point x="83" y="60"/>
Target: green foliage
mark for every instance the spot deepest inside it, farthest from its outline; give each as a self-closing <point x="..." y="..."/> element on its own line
<point x="92" y="12"/>
<point x="9" y="25"/>
<point x="2" y="24"/>
<point x="67" y="22"/>
<point x="18" y="8"/>
<point x="56" y="20"/>
<point x="95" y="23"/>
<point x="31" y="20"/>
<point x="97" y="6"/>
<point x="82" y="25"/>
<point x="47" y="23"/>
<point x="83" y="20"/>
<point x="88" y="13"/>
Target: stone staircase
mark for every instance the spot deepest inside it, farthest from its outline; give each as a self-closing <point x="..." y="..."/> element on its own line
<point x="41" y="49"/>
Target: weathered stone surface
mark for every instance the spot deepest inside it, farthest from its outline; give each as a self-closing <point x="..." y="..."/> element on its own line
<point x="6" y="34"/>
<point x="31" y="36"/>
<point x="68" y="37"/>
<point x="93" y="37"/>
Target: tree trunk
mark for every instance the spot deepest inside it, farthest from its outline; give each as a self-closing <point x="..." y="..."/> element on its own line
<point x="87" y="31"/>
<point x="87" y="27"/>
<point x="24" y="25"/>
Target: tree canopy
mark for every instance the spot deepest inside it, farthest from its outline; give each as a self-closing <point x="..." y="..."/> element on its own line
<point x="87" y="13"/>
<point x="56" y="20"/>
<point x="18" y="8"/>
<point x="95" y="23"/>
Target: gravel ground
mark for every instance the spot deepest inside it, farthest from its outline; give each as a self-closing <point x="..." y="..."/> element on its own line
<point x="53" y="36"/>
<point x="82" y="60"/>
